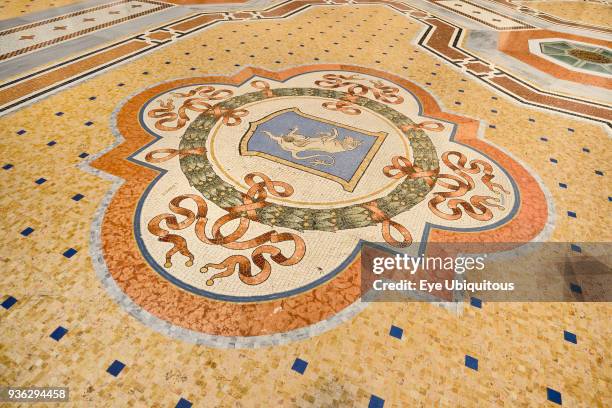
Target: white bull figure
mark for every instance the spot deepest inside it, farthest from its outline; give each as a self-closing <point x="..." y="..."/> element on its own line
<point x="328" y="142"/>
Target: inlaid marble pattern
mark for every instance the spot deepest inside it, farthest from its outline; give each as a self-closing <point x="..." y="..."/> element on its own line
<point x="592" y="12"/>
<point x="18" y="8"/>
<point x="581" y="56"/>
<point x="97" y="151"/>
<point x="27" y="38"/>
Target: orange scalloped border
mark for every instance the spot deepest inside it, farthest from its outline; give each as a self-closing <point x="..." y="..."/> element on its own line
<point x="161" y="298"/>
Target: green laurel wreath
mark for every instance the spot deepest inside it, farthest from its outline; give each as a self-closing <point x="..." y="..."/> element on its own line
<point x="200" y="173"/>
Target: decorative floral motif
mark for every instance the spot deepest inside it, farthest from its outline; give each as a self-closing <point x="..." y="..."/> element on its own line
<point x="464" y="184"/>
<point x="409" y="192"/>
<point x="381" y="92"/>
<point x="166" y="114"/>
<point x="401" y="167"/>
<point x="255" y="198"/>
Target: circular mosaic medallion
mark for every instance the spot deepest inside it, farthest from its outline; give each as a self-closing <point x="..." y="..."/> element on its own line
<point x="333" y="153"/>
<point x="254" y="194"/>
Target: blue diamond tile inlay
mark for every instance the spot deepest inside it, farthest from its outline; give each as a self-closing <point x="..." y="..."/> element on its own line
<point x="69" y="253"/>
<point x="21" y="132"/>
<point x="115" y="368"/>
<point x="562" y="185"/>
<point x="471" y="362"/>
<point x="544" y="139"/>
<point x="575" y="288"/>
<point x="571" y="214"/>
<point x="299" y="365"/>
<point x="9" y="302"/>
<point x="27" y="231"/>
<point x="474" y="301"/>
<point x="492" y="126"/>
<point x="7" y="166"/>
<point x="569" y="336"/>
<point x="83" y="155"/>
<point x="40" y="180"/>
<point x="58" y="333"/>
<point x="553" y="160"/>
<point x="59" y="113"/>
<point x="396" y="332"/>
<point x="78" y="197"/>
<point x="575" y="248"/>
<point x="183" y="403"/>
<point x="52" y="143"/>
<point x="570" y="129"/>
<point x="376" y="402"/>
<point x="89" y="123"/>
<point x="553" y="395"/>
<point x="599" y="172"/>
<point x="586" y="150"/>
<point x="92" y="98"/>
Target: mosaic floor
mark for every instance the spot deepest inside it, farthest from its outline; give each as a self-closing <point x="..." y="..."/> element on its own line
<point x="186" y="186"/>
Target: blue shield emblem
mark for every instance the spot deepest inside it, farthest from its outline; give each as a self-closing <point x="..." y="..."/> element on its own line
<point x="328" y="149"/>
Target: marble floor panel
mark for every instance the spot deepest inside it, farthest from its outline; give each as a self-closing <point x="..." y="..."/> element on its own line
<point x="190" y="189"/>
